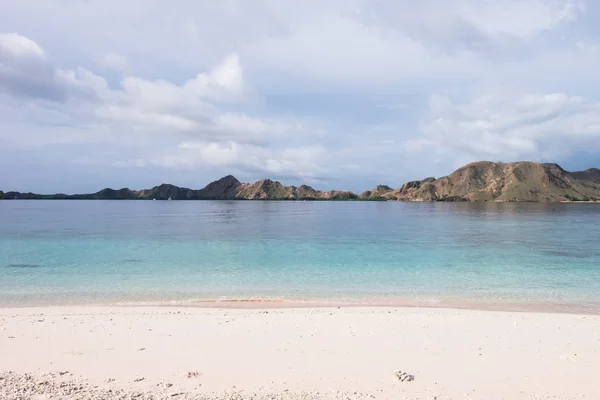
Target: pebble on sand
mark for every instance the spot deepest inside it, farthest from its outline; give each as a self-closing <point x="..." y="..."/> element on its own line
<point x="403" y="376"/>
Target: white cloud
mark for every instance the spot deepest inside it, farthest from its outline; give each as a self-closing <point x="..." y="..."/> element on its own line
<point x="399" y="41"/>
<point x="340" y="41"/>
<point x="24" y="69"/>
<point x="141" y="111"/>
<point x="227" y="75"/>
<point x="224" y="83"/>
<point x="507" y="126"/>
<point x="19" y="46"/>
<point x="300" y="88"/>
<point x="21" y="57"/>
<point x="138" y="104"/>
<point x="306" y="162"/>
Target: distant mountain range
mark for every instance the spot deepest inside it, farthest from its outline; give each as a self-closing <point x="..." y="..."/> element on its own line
<point x="478" y="181"/>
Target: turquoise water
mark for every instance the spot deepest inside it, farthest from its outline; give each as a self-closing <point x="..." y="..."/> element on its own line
<point x="55" y="252"/>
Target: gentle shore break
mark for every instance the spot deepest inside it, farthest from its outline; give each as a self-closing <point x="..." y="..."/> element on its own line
<point x="580" y="308"/>
<point x="297" y="353"/>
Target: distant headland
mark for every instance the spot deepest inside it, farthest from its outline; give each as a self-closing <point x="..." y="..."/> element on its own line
<point x="478" y="181"/>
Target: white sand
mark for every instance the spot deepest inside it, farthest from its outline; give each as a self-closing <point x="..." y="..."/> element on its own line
<point x="453" y="354"/>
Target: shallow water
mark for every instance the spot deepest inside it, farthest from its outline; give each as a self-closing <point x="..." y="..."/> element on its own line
<point x="64" y="252"/>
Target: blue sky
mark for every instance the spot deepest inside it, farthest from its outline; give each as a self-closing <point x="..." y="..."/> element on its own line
<point x="343" y="94"/>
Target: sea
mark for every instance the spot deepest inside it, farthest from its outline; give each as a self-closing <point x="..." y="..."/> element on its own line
<point x="55" y="252"/>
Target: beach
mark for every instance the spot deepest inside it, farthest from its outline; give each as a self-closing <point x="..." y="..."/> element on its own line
<point x="329" y="352"/>
<point x="298" y="300"/>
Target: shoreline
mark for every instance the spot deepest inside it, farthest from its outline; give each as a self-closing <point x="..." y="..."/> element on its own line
<point x="210" y="353"/>
<point x="546" y="307"/>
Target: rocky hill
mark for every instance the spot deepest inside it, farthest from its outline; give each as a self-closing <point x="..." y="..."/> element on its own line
<point x="518" y="181"/>
<point x="592" y="174"/>
<point x="226" y="188"/>
<point x="478" y="181"/>
<point x="267" y="189"/>
<point x="379" y="193"/>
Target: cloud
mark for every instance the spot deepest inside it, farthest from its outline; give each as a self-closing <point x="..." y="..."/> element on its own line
<point x="27" y="64"/>
<point x="115" y="62"/>
<point x="25" y="70"/>
<point x="303" y="162"/>
<point x="137" y="104"/>
<point x="157" y="113"/>
<point x="361" y="92"/>
<point x="510" y="126"/>
<point x="15" y="46"/>
<point x="399" y="41"/>
<point x="191" y="107"/>
<point x="515" y="18"/>
<point x="332" y="41"/>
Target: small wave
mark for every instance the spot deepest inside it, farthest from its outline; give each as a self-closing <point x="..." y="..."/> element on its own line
<point x="23" y="266"/>
<point x="133" y="260"/>
<point x="199" y="301"/>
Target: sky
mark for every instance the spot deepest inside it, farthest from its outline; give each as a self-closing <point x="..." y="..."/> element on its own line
<point x="343" y="94"/>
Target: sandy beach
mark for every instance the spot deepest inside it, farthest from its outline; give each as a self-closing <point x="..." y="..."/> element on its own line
<point x="175" y="352"/>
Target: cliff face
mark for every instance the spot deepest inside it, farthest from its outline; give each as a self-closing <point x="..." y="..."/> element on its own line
<point x="478" y="181"/>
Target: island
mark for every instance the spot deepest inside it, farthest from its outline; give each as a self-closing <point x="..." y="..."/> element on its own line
<point x="478" y="181"/>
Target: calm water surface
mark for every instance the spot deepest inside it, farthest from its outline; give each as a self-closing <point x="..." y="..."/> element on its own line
<point x="55" y="252"/>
